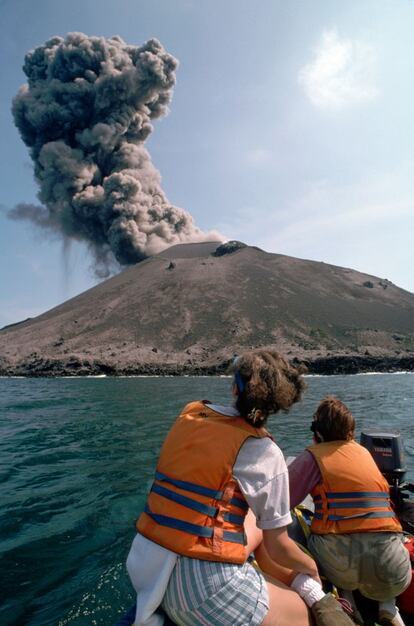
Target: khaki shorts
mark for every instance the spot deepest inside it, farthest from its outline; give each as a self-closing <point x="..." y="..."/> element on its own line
<point x="377" y="564"/>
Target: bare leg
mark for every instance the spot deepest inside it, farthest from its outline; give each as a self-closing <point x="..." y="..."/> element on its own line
<point x="285" y="607"/>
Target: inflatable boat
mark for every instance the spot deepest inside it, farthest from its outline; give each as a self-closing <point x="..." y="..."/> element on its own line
<point x="388" y="452"/>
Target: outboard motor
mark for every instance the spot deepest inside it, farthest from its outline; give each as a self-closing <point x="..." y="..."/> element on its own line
<point x="388" y="452"/>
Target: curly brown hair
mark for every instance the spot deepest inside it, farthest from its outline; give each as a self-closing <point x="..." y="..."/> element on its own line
<point x="266" y="383"/>
<point x="334" y="421"/>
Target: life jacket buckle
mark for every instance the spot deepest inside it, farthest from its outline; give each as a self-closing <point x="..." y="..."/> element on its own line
<point x="228" y="491"/>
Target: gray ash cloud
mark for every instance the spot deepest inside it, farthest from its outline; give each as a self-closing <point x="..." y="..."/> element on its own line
<point x="85" y="113"/>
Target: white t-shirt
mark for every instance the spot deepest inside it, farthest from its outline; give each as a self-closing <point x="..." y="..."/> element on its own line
<point x="260" y="469"/>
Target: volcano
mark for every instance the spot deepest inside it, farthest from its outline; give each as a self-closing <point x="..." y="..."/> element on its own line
<point x="192" y="307"/>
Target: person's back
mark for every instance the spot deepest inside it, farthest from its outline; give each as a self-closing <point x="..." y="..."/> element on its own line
<point x="194" y="486"/>
<point x="352" y="496"/>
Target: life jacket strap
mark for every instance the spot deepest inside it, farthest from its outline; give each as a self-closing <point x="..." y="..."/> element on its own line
<point x="355" y="504"/>
<point x="241" y="504"/>
<point x="200" y="490"/>
<point x="194" y="529"/>
<point x="341" y="495"/>
<point x="325" y="502"/>
<point x="193" y="487"/>
<point x="368" y="514"/>
<point x="190" y="503"/>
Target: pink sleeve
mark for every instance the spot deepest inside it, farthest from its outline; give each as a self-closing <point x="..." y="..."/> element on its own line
<point x="304" y="475"/>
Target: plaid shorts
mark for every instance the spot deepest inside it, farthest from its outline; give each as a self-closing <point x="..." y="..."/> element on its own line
<point x="206" y="593"/>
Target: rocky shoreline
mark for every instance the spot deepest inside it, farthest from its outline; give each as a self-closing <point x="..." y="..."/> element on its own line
<point x="75" y="366"/>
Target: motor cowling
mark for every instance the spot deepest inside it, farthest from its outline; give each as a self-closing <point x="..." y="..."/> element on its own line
<point x="388" y="452"/>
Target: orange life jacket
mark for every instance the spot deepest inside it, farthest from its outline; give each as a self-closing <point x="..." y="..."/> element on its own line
<point x="195" y="507"/>
<point x="353" y="496"/>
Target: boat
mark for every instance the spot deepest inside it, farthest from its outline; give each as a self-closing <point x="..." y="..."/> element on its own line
<point x="388" y="452"/>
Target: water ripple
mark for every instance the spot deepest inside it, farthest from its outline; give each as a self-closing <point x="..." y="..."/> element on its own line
<point x="77" y="459"/>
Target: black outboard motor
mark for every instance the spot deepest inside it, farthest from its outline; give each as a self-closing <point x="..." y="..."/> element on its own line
<point x="388" y="452"/>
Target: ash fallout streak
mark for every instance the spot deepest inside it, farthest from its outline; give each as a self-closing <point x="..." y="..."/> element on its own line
<point x="85" y="113"/>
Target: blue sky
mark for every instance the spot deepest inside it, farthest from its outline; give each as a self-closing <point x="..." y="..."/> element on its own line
<point x="290" y="128"/>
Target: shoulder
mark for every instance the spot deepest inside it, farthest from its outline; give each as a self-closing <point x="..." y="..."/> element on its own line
<point x="265" y="444"/>
<point x="363" y="452"/>
<point x="262" y="450"/>
<point x="303" y="461"/>
<point x="330" y="447"/>
<point x="191" y="407"/>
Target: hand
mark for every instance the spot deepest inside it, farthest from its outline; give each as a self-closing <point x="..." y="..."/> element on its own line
<point x="318" y="580"/>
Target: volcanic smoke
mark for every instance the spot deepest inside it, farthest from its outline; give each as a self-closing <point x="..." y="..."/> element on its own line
<point x="85" y="113"/>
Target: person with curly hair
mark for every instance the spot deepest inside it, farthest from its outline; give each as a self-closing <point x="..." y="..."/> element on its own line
<point x="220" y="494"/>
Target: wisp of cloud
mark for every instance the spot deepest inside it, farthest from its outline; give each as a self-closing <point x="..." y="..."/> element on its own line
<point x="85" y="113"/>
<point x="341" y="73"/>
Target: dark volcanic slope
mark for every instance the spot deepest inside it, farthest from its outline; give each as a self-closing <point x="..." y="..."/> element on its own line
<point x="186" y="306"/>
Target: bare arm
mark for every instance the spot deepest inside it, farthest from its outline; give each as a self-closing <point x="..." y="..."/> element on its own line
<point x="282" y="549"/>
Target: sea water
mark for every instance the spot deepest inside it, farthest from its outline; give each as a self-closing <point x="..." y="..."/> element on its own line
<point x="76" y="461"/>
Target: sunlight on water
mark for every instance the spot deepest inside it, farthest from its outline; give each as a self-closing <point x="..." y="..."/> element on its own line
<point x="96" y="604"/>
<point x="76" y="461"/>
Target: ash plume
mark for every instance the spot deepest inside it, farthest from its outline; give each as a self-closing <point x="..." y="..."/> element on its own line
<point x="85" y="113"/>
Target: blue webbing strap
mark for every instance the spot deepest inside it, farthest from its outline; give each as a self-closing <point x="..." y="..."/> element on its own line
<point x="193" y="529"/>
<point x="241" y="504"/>
<point x="340" y="495"/>
<point x="357" y="494"/>
<point x="235" y="519"/>
<point x="231" y="537"/>
<point x="368" y="514"/>
<point x="211" y="511"/>
<point x="202" y="491"/>
<point x="363" y="504"/>
<point x="172" y="522"/>
<point x="183" y="484"/>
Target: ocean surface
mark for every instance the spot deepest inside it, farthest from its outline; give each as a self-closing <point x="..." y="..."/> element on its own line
<point x="77" y="458"/>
